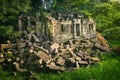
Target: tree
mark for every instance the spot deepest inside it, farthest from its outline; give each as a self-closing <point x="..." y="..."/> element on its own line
<point x="10" y="9"/>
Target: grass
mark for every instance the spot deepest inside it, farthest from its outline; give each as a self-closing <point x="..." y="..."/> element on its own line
<point x="107" y="69"/>
<point x="114" y="43"/>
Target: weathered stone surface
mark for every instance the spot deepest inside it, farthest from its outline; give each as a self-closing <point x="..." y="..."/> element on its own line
<point x="29" y="37"/>
<point x="87" y="36"/>
<point x="1" y="55"/>
<point x="77" y="65"/>
<point x="61" y="61"/>
<point x="72" y="60"/>
<point x="28" y="43"/>
<point x="35" y="38"/>
<point x="95" y="59"/>
<point x="80" y="55"/>
<point x="21" y="45"/>
<point x="4" y="46"/>
<point x="38" y="48"/>
<point x="17" y="66"/>
<point x="9" y="59"/>
<point x="55" y="47"/>
<point x="38" y="63"/>
<point x="66" y="55"/>
<point x="83" y="62"/>
<point x="53" y="66"/>
<point x="2" y="60"/>
<point x="97" y="45"/>
<point x="43" y="56"/>
<point x="78" y="58"/>
<point x="71" y="43"/>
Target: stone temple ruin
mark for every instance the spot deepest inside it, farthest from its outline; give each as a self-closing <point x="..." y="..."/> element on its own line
<point x="74" y="43"/>
<point x="67" y="27"/>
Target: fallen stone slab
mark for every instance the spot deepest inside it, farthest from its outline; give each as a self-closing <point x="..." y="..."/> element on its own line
<point x="54" y="47"/>
<point x="78" y="58"/>
<point x="71" y="43"/>
<point x="35" y="38"/>
<point x="66" y="55"/>
<point x="83" y="62"/>
<point x="38" y="48"/>
<point x="100" y="47"/>
<point x="29" y="37"/>
<point x="72" y="60"/>
<point x="39" y="63"/>
<point x="17" y="66"/>
<point x="95" y="59"/>
<point x="28" y="43"/>
<point x="42" y="55"/>
<point x="60" y="61"/>
<point x="53" y="66"/>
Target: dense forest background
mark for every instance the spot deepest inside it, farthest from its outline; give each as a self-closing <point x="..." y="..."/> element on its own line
<point x="106" y="14"/>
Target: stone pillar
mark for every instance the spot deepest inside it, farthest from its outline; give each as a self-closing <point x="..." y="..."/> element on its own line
<point x="87" y="29"/>
<point x="28" y="21"/>
<point x="59" y="27"/>
<point x="53" y="30"/>
<point x="75" y="30"/>
<point x="91" y="28"/>
<point x="20" y="23"/>
<point x="37" y="25"/>
<point x="94" y="28"/>
<point x="80" y="27"/>
<point x="69" y="28"/>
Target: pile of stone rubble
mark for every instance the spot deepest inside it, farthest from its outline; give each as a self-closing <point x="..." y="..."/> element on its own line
<point x="30" y="53"/>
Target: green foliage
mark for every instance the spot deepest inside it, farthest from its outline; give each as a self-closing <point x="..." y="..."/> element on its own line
<point x="7" y="32"/>
<point x="112" y="33"/>
<point x="10" y="9"/>
<point x="107" y="15"/>
<point x="114" y="43"/>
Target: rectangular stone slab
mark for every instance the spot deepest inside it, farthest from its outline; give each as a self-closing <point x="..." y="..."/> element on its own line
<point x="43" y="56"/>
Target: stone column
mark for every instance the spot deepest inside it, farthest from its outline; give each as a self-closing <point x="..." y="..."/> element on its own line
<point x="28" y="21"/>
<point x="37" y="25"/>
<point x="20" y="23"/>
<point x="88" y="30"/>
<point x="80" y="27"/>
<point x="75" y="30"/>
<point x="69" y="28"/>
<point x="94" y="28"/>
<point x="53" y="30"/>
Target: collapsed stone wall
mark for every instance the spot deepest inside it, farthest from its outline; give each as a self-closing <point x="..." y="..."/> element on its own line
<point x="30" y="53"/>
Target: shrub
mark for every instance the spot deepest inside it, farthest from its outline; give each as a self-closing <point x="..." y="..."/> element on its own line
<point x="7" y="32"/>
<point x="112" y="33"/>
